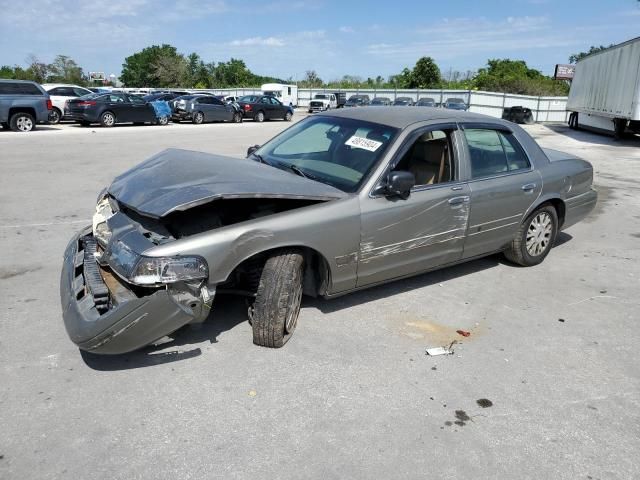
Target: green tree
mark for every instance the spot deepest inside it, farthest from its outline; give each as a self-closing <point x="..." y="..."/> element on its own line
<point x="169" y="69"/>
<point x="514" y="76"/>
<point x="37" y="70"/>
<point x="311" y="80"/>
<point x="580" y="55"/>
<point x="425" y="74"/>
<point x="63" y="69"/>
<point x="140" y="69"/>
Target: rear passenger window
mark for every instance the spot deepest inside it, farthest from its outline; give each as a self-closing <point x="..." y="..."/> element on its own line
<point x="493" y="153"/>
<point x="19" y="88"/>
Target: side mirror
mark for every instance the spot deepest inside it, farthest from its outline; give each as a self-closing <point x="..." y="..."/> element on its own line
<point x="252" y="149"/>
<point x="399" y="184"/>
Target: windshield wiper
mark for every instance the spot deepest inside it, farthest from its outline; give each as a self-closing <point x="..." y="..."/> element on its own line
<point x="260" y="159"/>
<point x="299" y="171"/>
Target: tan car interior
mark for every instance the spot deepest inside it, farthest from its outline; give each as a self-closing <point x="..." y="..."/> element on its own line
<point x="429" y="159"/>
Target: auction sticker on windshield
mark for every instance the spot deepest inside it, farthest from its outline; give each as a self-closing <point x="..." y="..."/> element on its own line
<point x="365" y="143"/>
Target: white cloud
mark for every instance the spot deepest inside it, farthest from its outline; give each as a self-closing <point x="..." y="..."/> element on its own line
<point x="347" y="29"/>
<point x="456" y="37"/>
<point x="257" y="41"/>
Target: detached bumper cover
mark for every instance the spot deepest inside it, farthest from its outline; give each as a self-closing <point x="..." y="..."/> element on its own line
<point x="124" y="324"/>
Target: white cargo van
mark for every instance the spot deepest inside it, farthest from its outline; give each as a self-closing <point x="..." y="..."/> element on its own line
<point x="605" y="91"/>
<point x="287" y="94"/>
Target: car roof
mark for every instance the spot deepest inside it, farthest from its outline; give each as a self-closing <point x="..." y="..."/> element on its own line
<point x="7" y="80"/>
<point x="402" y="118"/>
<point x="54" y="85"/>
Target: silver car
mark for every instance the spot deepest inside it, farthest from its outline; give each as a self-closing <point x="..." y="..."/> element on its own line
<point x="338" y="202"/>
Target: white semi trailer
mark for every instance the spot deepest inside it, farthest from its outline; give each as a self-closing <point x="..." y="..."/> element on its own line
<point x="605" y="91"/>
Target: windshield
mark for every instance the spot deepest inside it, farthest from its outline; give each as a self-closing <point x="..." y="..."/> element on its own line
<point x="322" y="97"/>
<point x="337" y="151"/>
<point x="455" y="100"/>
<point x="356" y="100"/>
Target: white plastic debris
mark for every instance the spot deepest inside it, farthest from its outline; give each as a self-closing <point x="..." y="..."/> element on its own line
<point x="439" y="351"/>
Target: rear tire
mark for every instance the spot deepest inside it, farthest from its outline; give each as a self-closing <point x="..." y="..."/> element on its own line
<point x="22" y="122"/>
<point x="198" y="118"/>
<point x="164" y="120"/>
<point x="237" y="117"/>
<point x="259" y="117"/>
<point x="107" y="119"/>
<point x="534" y="238"/>
<point x="55" y="117"/>
<point x="619" y="128"/>
<point x="278" y="299"/>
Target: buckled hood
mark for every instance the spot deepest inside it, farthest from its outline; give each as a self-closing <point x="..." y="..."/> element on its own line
<point x="176" y="180"/>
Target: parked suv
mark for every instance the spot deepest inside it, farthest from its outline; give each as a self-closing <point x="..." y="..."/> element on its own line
<point x="59" y="94"/>
<point x="23" y="104"/>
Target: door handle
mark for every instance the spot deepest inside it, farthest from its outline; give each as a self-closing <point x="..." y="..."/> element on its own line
<point x="528" y="187"/>
<point x="456" y="188"/>
<point x="458" y="200"/>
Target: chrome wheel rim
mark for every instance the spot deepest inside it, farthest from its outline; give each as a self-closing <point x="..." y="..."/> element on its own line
<point x="24" y="124"/>
<point x="108" y="119"/>
<point x="294" y="309"/>
<point x="539" y="234"/>
<point x="198" y="118"/>
<point x="55" y="117"/>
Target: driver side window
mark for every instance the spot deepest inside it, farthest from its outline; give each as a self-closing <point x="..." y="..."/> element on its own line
<point x="430" y="158"/>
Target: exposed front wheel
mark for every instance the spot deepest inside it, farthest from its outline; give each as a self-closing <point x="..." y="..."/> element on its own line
<point x="277" y="304"/>
<point x="288" y="116"/>
<point x="107" y="119"/>
<point x="237" y="117"/>
<point x="22" y="122"/>
<point x="534" y="237"/>
<point x="163" y="120"/>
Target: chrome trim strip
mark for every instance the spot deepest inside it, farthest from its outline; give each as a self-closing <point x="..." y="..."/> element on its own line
<point x="494" y="228"/>
<point x="498" y="220"/>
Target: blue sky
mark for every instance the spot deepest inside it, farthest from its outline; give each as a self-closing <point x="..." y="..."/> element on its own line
<point x="286" y="38"/>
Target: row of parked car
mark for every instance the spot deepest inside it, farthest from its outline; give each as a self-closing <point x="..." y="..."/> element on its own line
<point x="364" y="100"/>
<point x="326" y="101"/>
<point x="24" y="104"/>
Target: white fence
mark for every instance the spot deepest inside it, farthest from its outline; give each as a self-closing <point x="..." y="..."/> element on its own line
<point x="545" y="109"/>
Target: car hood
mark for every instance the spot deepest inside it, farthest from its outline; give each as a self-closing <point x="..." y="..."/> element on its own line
<point x="176" y="180"/>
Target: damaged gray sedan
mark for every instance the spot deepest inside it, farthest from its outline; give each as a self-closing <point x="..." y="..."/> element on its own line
<point x="338" y="202"/>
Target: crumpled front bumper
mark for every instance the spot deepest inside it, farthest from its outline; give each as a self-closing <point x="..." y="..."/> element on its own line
<point x="129" y="322"/>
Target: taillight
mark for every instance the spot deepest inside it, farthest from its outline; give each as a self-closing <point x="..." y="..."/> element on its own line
<point x="247" y="108"/>
<point x="49" y="104"/>
<point x="86" y="103"/>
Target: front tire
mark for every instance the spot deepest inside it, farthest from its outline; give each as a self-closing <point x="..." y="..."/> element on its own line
<point x="198" y="118"/>
<point x="237" y="117"/>
<point x="55" y="117"/>
<point x="277" y="305"/>
<point x="107" y="119"/>
<point x="288" y="116"/>
<point x="534" y="238"/>
<point x="22" y="122"/>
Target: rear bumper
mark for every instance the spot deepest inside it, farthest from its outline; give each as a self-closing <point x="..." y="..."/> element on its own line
<point x="119" y="323"/>
<point x="79" y="116"/>
<point x="180" y="115"/>
<point x="579" y="207"/>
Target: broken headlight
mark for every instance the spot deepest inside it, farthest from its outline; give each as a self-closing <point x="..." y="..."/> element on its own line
<point x="154" y="270"/>
<point x="104" y="211"/>
<point x="148" y="271"/>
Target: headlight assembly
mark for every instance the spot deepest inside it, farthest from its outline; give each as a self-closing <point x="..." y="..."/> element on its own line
<point x="155" y="270"/>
